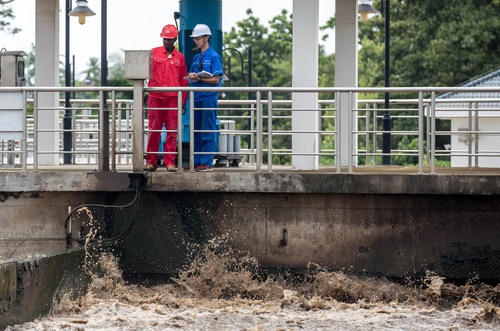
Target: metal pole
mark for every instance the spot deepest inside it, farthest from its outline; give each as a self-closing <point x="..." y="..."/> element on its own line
<point x="249" y="69"/>
<point x="104" y="83"/>
<point x="229" y="70"/>
<point x="73" y="70"/>
<point x="249" y="76"/>
<point x="386" y="120"/>
<point x="67" y="134"/>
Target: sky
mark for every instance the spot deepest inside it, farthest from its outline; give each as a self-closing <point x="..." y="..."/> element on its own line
<point x="136" y="25"/>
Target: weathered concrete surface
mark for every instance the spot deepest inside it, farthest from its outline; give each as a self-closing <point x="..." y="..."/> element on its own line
<point x="455" y="236"/>
<point x="366" y="223"/>
<point x="62" y="181"/>
<point x="28" y="287"/>
<point x="480" y="182"/>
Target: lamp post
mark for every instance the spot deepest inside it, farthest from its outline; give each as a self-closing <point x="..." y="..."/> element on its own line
<point x="365" y="8"/>
<point x="67" y="134"/>
<point x="249" y="65"/>
<point x="104" y="82"/>
<point x="249" y="73"/>
<point x="386" y="120"/>
<point x="82" y="10"/>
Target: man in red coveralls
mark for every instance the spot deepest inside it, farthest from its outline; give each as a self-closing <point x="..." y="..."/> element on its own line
<point x="169" y="69"/>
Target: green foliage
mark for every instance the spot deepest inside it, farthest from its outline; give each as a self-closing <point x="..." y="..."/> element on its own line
<point x="271" y="49"/>
<point x="432" y="43"/>
<point x="6" y="16"/>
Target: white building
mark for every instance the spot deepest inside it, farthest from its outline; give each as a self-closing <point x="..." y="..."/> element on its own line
<point x="475" y="124"/>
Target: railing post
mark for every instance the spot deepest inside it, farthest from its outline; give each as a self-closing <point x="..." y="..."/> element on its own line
<point x="191" y="130"/>
<point x="138" y="126"/>
<point x="432" y="143"/>
<point x="25" y="133"/>
<point x="350" y="137"/>
<point x="258" y="156"/>
<point x="420" y="132"/>
<point x="179" y="131"/>
<point x="469" y="136"/>
<point x="476" y="135"/>
<point x="338" y="134"/>
<point x="113" y="131"/>
<point x="270" y="131"/>
<point x="103" y="132"/>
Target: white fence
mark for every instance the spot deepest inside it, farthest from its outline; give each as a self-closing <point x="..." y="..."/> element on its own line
<point x="260" y="130"/>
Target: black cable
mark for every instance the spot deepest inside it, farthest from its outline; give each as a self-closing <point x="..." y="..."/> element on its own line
<point x="69" y="237"/>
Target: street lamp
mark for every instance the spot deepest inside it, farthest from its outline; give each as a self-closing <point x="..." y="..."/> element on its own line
<point x="386" y="120"/>
<point x="365" y="8"/>
<point x="248" y="62"/>
<point x="82" y="10"/>
<point x="104" y="82"/>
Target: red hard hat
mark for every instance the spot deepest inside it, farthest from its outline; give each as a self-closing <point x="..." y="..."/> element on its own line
<point x="169" y="31"/>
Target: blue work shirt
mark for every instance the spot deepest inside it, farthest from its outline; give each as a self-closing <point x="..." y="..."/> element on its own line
<point x="212" y="63"/>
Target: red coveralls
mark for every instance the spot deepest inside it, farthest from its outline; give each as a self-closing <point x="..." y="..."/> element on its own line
<point x="168" y="70"/>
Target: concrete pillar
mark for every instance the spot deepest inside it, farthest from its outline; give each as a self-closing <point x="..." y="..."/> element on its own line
<point x="47" y="74"/>
<point x="346" y="64"/>
<point x="305" y="74"/>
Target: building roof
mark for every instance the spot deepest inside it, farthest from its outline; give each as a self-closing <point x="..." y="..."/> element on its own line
<point x="491" y="79"/>
<point x="488" y="108"/>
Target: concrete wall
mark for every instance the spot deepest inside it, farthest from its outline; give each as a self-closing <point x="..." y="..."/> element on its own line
<point x="392" y="235"/>
<point x="28" y="287"/>
<point x="379" y="224"/>
<point x="390" y="225"/>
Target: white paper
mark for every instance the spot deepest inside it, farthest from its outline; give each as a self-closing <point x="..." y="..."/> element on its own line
<point x="201" y="74"/>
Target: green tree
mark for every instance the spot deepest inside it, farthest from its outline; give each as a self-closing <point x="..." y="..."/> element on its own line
<point x="6" y="16"/>
<point x="272" y="63"/>
<point x="117" y="74"/>
<point x="93" y="72"/>
<point x="433" y="43"/>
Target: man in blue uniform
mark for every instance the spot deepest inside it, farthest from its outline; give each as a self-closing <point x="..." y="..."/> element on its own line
<point x="206" y="71"/>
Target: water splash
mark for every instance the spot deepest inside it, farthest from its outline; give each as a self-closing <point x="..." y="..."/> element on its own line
<point x="225" y="289"/>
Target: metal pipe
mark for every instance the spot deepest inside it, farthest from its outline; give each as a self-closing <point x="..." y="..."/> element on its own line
<point x="270" y="132"/>
<point x="386" y="120"/>
<point x="104" y="82"/>
<point x="67" y="120"/>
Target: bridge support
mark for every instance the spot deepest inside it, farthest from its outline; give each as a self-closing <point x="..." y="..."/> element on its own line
<point x="346" y="65"/>
<point x="305" y="146"/>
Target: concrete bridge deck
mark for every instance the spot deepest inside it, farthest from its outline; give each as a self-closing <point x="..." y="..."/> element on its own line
<point x="388" y="221"/>
<point x="381" y="180"/>
<point x="363" y="180"/>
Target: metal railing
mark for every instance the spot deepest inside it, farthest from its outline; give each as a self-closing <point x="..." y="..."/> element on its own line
<point x="257" y="134"/>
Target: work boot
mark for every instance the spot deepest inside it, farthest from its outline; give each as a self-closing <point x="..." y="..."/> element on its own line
<point x="150" y="167"/>
<point x="203" y="168"/>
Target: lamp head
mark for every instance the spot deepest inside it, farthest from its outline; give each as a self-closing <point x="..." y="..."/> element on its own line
<point x="82" y="10"/>
<point x="365" y="8"/>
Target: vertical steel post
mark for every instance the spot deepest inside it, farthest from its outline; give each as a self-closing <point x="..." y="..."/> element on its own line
<point x="104" y="83"/>
<point x="67" y="134"/>
<point x="386" y="120"/>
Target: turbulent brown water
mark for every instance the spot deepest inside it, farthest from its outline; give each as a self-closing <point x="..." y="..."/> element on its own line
<point x="224" y="290"/>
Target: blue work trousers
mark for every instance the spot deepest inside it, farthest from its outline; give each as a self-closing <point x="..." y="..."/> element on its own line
<point x="205" y="141"/>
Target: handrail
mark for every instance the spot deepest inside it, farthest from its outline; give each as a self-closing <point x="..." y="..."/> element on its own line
<point x="265" y="126"/>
